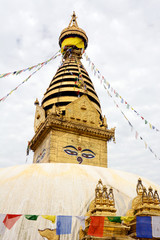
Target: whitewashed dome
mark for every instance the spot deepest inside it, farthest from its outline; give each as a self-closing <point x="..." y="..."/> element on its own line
<point x="59" y="189"/>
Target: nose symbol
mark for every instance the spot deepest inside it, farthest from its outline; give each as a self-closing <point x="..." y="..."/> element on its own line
<point x="80" y="160"/>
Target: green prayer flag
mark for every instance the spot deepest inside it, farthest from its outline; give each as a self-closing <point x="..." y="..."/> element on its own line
<point x="115" y="219"/>
<point x="146" y="122"/>
<point x="31" y="217"/>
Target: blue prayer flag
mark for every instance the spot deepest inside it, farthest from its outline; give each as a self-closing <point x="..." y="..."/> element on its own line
<point x="143" y="227"/>
<point x="64" y="224"/>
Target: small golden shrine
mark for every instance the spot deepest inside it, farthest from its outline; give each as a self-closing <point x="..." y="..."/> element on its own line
<point x="104" y="205"/>
<point x="146" y="203"/>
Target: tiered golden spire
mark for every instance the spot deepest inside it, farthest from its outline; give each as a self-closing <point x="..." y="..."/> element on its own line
<point x="71" y="80"/>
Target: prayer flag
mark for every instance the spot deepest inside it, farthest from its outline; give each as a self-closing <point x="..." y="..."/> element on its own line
<point x="145" y="144"/>
<point x="143" y="227"/>
<point x="146" y="122"/>
<point x="64" y="224"/>
<point x="31" y="217"/>
<point x="96" y="226"/>
<point x="127" y="219"/>
<point x="156" y="226"/>
<point x="81" y="221"/>
<point x="50" y="217"/>
<point x="115" y="219"/>
<point x="10" y="220"/>
<point x="2" y="226"/>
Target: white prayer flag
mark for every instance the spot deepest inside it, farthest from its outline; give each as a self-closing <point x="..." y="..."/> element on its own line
<point x="156" y="226"/>
<point x="2" y="226"/>
<point x="81" y="221"/>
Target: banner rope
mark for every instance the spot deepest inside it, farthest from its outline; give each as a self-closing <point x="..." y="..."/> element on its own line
<point x="27" y="69"/>
<point x="41" y="65"/>
<point x="133" y="128"/>
<point x="122" y="100"/>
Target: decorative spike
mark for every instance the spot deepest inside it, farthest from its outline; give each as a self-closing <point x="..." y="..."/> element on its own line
<point x="73" y="20"/>
<point x="111" y="197"/>
<point x="36" y="102"/>
<point x="139" y="187"/>
<point x="105" y="194"/>
<point x="156" y="198"/>
<point x="144" y="196"/>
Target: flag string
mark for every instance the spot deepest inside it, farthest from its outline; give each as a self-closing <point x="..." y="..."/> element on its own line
<point x="132" y="127"/>
<point x="111" y="89"/>
<point x="41" y="65"/>
<point x="28" y="68"/>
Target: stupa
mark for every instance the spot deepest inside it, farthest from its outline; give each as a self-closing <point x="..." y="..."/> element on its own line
<point x="69" y="175"/>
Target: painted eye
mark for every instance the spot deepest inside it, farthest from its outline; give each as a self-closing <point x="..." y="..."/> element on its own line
<point x="87" y="155"/>
<point x="70" y="152"/>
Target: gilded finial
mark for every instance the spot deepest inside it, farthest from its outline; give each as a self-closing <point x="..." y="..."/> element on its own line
<point x="139" y="187"/>
<point x="111" y="197"/>
<point x="156" y="197"/>
<point x="36" y="102"/>
<point x="144" y="196"/>
<point x="150" y="195"/>
<point x="73" y="20"/>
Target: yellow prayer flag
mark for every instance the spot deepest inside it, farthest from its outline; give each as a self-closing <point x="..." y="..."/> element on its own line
<point x="127" y="219"/>
<point x="52" y="218"/>
<point x="145" y="144"/>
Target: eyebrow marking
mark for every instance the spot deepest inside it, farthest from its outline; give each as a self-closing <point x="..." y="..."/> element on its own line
<point x="88" y="151"/>
<point x="70" y="146"/>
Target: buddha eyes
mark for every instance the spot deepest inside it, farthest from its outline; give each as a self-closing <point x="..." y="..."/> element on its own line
<point x="89" y="155"/>
<point x="74" y="153"/>
<point x="70" y="152"/>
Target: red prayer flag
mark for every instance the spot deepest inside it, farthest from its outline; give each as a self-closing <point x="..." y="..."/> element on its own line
<point x="10" y="220"/>
<point x="96" y="226"/>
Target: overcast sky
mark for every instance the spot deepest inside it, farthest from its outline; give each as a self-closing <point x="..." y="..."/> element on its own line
<point x="124" y="44"/>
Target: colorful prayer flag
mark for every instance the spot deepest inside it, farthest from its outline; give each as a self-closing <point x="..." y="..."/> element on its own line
<point x="143" y="227"/>
<point x="96" y="226"/>
<point x="50" y="217"/>
<point x="127" y="219"/>
<point x="115" y="219"/>
<point x="10" y="220"/>
<point x="31" y="217"/>
<point x="64" y="224"/>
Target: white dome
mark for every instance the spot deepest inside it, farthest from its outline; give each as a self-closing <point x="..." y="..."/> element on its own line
<point x="59" y="189"/>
